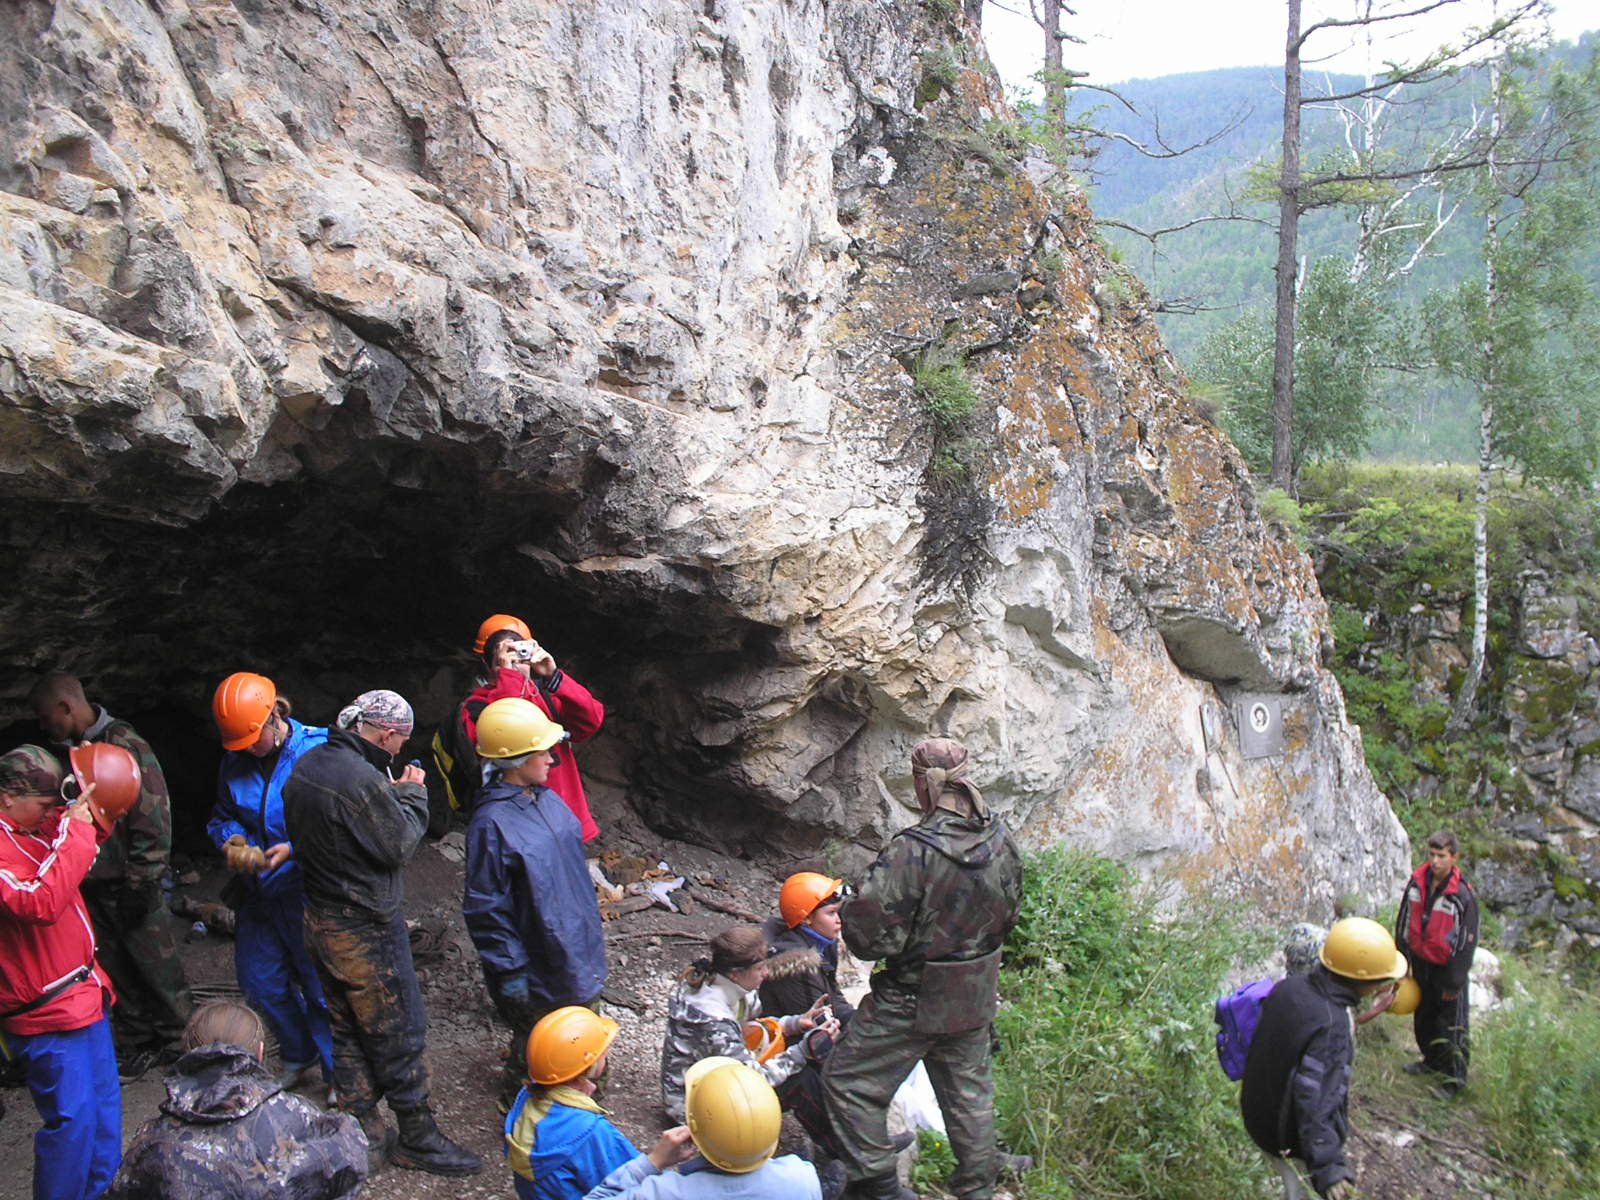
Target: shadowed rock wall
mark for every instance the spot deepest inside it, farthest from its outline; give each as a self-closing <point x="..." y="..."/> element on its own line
<point x="323" y="334"/>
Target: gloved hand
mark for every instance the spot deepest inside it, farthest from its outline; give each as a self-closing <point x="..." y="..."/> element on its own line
<point x="241" y="857"/>
<point x="511" y="996"/>
<point x="136" y="901"/>
<point x="817" y="1042"/>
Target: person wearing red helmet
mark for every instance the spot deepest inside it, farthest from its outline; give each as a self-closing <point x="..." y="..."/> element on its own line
<point x="804" y="941"/>
<point x="55" y="1000"/>
<point x="514" y="665"/>
<point x="136" y="933"/>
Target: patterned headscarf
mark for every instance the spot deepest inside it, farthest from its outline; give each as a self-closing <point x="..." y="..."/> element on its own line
<point x="942" y="765"/>
<point x="1303" y="949"/>
<point x="30" y="771"/>
<point x="383" y="708"/>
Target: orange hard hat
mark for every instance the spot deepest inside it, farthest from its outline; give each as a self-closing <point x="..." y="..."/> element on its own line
<point x="1406" y="998"/>
<point x="493" y="625"/>
<point x="567" y="1042"/>
<point x="116" y="777"/>
<point x="241" y="706"/>
<point x="764" y="1038"/>
<point x="802" y="893"/>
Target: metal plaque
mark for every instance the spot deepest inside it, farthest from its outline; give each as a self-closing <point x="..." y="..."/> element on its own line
<point x="1260" y="718"/>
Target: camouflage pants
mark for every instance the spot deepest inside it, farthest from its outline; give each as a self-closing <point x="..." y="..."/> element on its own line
<point x="870" y="1063"/>
<point x="375" y="1006"/>
<point x="136" y="945"/>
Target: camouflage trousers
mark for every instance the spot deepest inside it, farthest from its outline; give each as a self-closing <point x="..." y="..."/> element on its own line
<point x="136" y="944"/>
<point x="873" y="1059"/>
<point x="375" y="1007"/>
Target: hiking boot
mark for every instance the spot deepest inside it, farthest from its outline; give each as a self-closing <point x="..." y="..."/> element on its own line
<point x="1014" y="1166"/>
<point x="902" y="1141"/>
<point x="880" y="1187"/>
<point x="134" y="1062"/>
<point x="423" y="1148"/>
<point x="833" y="1180"/>
<point x="380" y="1140"/>
<point x="1416" y="1068"/>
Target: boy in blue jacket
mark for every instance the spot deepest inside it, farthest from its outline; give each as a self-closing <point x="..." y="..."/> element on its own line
<point x="529" y="906"/>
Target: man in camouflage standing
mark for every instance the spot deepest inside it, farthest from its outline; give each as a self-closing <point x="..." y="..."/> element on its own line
<point x="123" y="891"/>
<point x="934" y="909"/>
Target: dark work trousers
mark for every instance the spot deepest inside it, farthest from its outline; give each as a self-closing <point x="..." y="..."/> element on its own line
<point x="801" y="1094"/>
<point x="874" y="1058"/>
<point x="379" y="1024"/>
<point x="1440" y="1024"/>
<point x="134" y="942"/>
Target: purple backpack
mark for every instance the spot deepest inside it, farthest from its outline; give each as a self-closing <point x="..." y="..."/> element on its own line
<point x="1237" y="1015"/>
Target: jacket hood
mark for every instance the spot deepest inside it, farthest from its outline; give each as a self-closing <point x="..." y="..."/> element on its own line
<point x="216" y="1083"/>
<point x="969" y="841"/>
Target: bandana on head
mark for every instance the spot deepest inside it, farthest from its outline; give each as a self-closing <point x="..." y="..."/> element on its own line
<point x="1302" y="950"/>
<point x="942" y="763"/>
<point x="383" y="708"/>
<point x="30" y="771"/>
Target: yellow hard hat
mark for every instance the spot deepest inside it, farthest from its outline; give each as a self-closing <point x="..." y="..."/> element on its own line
<point x="513" y="727"/>
<point x="734" y="1115"/>
<point x="1359" y="948"/>
<point x="1406" y="998"/>
<point x="567" y="1042"/>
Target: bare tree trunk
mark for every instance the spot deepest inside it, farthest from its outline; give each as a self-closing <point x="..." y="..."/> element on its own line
<point x="1288" y="235"/>
<point x="1055" y="84"/>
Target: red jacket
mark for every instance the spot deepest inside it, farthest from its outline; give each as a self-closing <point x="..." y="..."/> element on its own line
<point x="570" y="705"/>
<point x="45" y="934"/>
<point x="1439" y="926"/>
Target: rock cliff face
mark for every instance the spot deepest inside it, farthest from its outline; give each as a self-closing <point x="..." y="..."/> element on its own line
<point x="736" y="345"/>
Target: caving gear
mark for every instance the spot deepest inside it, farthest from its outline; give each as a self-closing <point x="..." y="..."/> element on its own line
<point x="802" y="894"/>
<point x="114" y="774"/>
<point x="566" y="1043"/>
<point x="511" y="728"/>
<point x="733" y="1114"/>
<point x="1406" y="998"/>
<point x="241" y="706"/>
<point x="764" y="1038"/>
<point x="1358" y="948"/>
<point x="421" y="1147"/>
<point x="496" y="623"/>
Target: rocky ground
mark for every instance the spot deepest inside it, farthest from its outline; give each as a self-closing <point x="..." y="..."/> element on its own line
<point x="1405" y="1146"/>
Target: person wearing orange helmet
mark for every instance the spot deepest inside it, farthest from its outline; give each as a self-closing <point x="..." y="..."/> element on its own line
<point x="514" y="665"/>
<point x="55" y="1000"/>
<point x="804" y="945"/>
<point x="138" y="943"/>
<point x="270" y="962"/>
<point x="559" y="1142"/>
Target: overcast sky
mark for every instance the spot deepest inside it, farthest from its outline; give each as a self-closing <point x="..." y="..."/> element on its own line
<point x="1136" y="39"/>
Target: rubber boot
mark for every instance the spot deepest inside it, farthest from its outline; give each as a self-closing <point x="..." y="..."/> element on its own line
<point x="880" y="1187"/>
<point x="380" y="1140"/>
<point x="423" y="1148"/>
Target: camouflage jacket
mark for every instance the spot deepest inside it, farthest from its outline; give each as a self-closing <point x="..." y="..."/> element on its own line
<point x="228" y="1129"/>
<point x="140" y="847"/>
<point x="708" y="1020"/>
<point x="946" y="889"/>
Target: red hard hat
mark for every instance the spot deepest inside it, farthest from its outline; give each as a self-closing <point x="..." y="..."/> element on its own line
<point x="493" y="625"/>
<point x="115" y="774"/>
<point x="241" y="706"/>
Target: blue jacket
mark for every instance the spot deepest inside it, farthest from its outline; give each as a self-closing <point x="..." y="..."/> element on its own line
<point x="529" y="902"/>
<point x="786" y="1178"/>
<point x="252" y="804"/>
<point x="572" y="1151"/>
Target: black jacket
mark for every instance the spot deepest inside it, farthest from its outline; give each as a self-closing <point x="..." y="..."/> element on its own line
<point x="353" y="828"/>
<point x="799" y="970"/>
<point x="1296" y="1085"/>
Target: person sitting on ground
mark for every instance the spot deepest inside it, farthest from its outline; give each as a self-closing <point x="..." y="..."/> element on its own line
<point x="529" y="903"/>
<point x="559" y="1142"/>
<point x="1296" y="1085"/>
<point x="733" y="1121"/>
<point x="803" y="962"/>
<point x="514" y="665"/>
<point x="229" y="1131"/>
<point x="707" y="1012"/>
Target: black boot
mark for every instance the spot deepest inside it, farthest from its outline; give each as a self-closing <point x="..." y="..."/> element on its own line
<point x="880" y="1187"/>
<point x="423" y="1148"/>
<point x="380" y="1140"/>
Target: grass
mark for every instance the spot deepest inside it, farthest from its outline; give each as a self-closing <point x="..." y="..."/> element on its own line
<point x="941" y="382"/>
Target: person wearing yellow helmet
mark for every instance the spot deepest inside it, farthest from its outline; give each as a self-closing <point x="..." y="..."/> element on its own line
<point x="559" y="1141"/>
<point x="1296" y="1085"/>
<point x="725" y="1149"/>
<point x="529" y="905"/>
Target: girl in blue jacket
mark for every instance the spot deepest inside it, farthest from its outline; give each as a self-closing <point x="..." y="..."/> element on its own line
<point x="270" y="962"/>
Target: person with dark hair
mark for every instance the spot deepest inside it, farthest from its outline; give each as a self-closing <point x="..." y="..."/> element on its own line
<point x="133" y="929"/>
<point x="229" y="1131"/>
<point x="803" y="941"/>
<point x="354" y="826"/>
<point x="55" y="1001"/>
<point x="1437" y="930"/>
<point x="934" y="910"/>
<point x="267" y="891"/>
<point x="516" y="666"/>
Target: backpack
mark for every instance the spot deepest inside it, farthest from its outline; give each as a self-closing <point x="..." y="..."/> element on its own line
<point x="1237" y="1015"/>
<point x="453" y="773"/>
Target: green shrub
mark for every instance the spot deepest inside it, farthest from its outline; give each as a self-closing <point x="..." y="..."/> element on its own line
<point x="1108" y="1073"/>
<point x="935" y="1161"/>
<point x="940" y="379"/>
